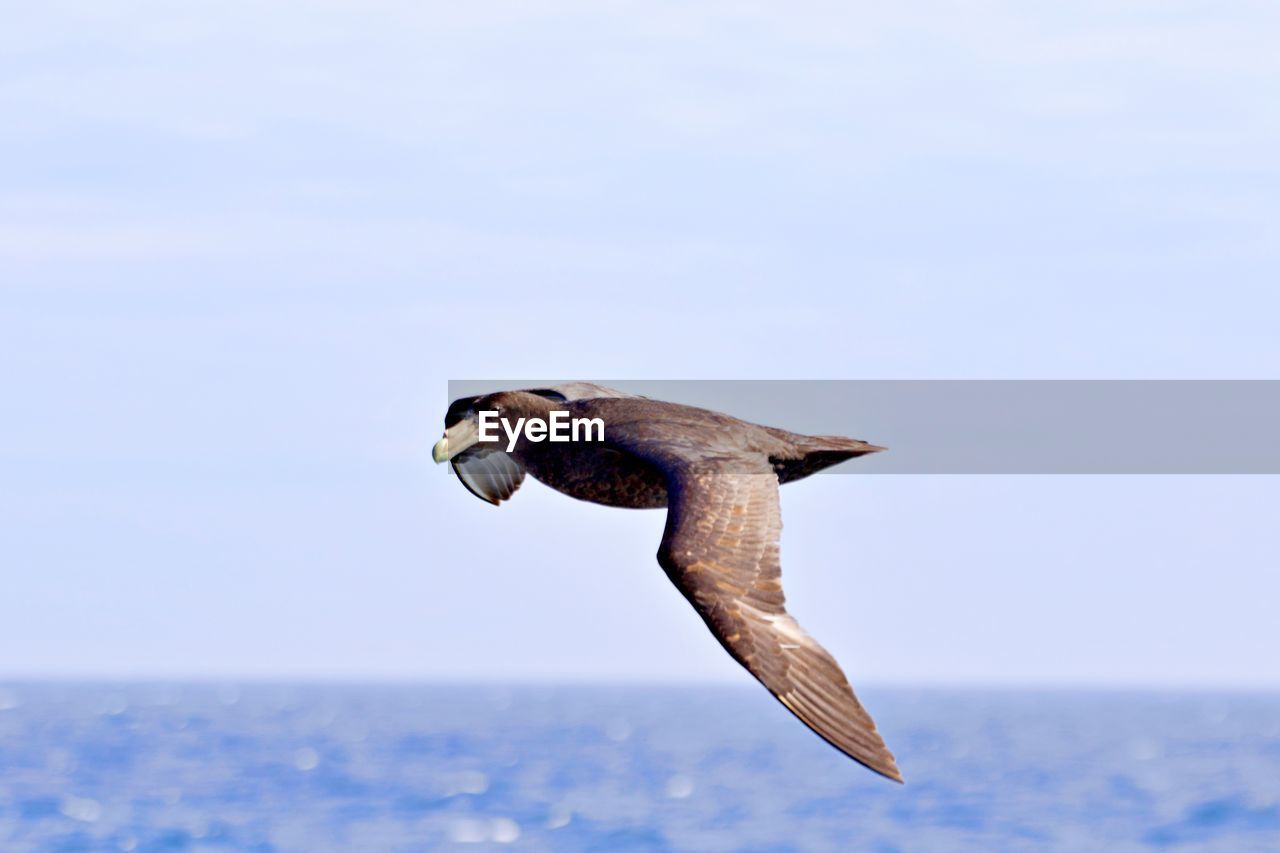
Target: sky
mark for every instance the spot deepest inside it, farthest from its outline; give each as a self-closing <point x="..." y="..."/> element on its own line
<point x="244" y="247"/>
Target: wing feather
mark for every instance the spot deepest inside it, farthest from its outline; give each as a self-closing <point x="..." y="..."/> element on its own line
<point x="488" y="473"/>
<point x="720" y="549"/>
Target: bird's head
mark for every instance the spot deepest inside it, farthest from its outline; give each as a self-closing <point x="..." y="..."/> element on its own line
<point x="462" y="420"/>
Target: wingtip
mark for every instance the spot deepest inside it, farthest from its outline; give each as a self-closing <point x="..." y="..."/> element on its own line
<point x="888" y="769"/>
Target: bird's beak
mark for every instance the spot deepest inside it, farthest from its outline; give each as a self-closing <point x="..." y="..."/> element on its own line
<point x="457" y="438"/>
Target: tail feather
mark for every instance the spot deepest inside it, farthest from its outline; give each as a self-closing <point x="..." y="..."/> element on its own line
<point x="839" y="444"/>
<point x="820" y="451"/>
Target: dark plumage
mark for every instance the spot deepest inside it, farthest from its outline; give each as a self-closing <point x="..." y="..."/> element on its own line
<point x="718" y="477"/>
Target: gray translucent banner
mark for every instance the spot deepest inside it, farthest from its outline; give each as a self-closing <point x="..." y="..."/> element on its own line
<point x="999" y="426"/>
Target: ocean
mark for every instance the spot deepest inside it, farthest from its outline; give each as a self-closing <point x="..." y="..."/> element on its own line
<point x="371" y="768"/>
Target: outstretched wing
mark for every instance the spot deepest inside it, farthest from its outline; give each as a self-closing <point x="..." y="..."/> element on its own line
<point x="721" y="550"/>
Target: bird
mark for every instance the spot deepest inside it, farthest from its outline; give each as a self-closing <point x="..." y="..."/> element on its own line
<point x="718" y="478"/>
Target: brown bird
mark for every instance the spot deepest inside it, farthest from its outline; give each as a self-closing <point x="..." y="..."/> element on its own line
<point x="718" y="477"/>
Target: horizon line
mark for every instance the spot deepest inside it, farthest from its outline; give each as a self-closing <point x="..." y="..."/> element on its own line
<point x="345" y="680"/>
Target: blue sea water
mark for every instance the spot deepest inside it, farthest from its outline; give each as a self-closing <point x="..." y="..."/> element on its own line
<point x="280" y="767"/>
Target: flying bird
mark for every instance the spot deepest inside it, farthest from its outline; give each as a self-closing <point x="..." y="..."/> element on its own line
<point x="718" y="478"/>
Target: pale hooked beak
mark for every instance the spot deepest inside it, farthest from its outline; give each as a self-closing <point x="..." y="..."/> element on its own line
<point x="457" y="438"/>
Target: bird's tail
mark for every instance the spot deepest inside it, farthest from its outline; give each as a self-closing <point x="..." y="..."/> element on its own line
<point x="821" y="451"/>
<point x="849" y="447"/>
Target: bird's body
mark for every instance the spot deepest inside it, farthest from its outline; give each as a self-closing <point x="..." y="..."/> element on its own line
<point x="718" y="477"/>
<point x="596" y="471"/>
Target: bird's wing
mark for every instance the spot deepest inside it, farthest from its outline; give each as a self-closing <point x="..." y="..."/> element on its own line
<point x="489" y="473"/>
<point x="720" y="549"/>
<point x="570" y="391"/>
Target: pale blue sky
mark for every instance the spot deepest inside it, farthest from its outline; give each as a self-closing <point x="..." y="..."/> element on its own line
<point x="243" y="247"/>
